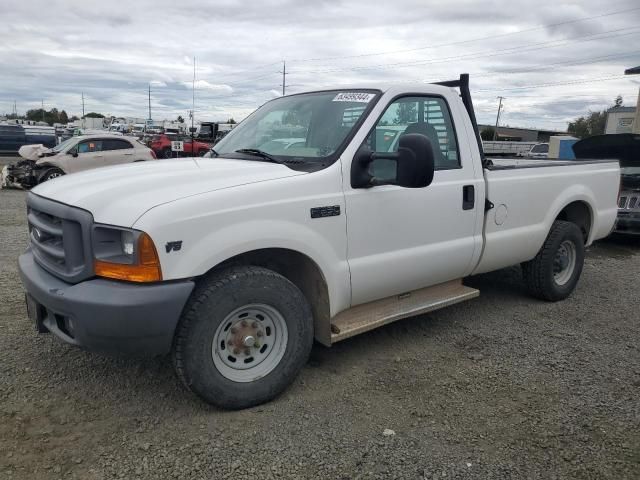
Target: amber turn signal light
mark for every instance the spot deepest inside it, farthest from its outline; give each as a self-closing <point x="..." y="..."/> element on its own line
<point x="147" y="269"/>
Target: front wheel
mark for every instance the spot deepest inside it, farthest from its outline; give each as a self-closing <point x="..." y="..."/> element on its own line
<point x="244" y="336"/>
<point x="554" y="272"/>
<point x="50" y="174"/>
<point x="167" y="153"/>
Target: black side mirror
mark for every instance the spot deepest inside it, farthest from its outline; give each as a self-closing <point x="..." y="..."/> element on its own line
<point x="73" y="153"/>
<point x="414" y="164"/>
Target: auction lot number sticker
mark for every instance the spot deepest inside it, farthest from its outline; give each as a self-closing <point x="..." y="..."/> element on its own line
<point x="360" y="97"/>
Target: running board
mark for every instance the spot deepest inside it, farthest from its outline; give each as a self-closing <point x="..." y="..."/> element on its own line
<point x="368" y="316"/>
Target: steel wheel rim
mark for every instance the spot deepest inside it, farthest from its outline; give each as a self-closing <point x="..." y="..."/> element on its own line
<point x="54" y="175"/>
<point x="249" y="343"/>
<point x="564" y="262"/>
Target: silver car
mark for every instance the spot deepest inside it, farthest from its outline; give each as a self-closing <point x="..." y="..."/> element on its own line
<point x="90" y="151"/>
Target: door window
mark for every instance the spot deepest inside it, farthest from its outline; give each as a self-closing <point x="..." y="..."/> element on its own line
<point x="90" y="146"/>
<point x="428" y="116"/>
<point x="115" y="144"/>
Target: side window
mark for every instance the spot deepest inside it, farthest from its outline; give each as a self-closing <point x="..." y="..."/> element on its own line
<point x="90" y="146"/>
<point x="427" y="116"/>
<point x="115" y="144"/>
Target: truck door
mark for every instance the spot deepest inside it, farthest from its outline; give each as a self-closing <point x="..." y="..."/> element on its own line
<point x="402" y="239"/>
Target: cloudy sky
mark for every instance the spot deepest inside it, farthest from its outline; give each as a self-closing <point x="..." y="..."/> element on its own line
<point x="551" y="60"/>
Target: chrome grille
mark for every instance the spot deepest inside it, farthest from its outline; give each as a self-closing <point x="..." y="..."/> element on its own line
<point x="629" y="201"/>
<point x="59" y="237"/>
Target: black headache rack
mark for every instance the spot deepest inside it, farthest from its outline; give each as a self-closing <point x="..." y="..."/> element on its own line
<point x="465" y="94"/>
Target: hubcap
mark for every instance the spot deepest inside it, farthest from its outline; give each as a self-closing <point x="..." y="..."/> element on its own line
<point x="249" y="343"/>
<point x="564" y="262"/>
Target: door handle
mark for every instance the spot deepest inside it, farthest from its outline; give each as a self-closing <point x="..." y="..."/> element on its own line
<point x="128" y="153"/>
<point x="468" y="197"/>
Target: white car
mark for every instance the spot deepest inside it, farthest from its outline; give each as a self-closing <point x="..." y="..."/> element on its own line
<point x="540" y="151"/>
<point x="234" y="264"/>
<point x="87" y="152"/>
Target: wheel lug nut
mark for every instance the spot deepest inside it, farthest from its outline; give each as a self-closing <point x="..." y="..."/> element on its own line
<point x="234" y="330"/>
<point x="259" y="334"/>
<point x="247" y="351"/>
<point x="236" y="351"/>
<point x="254" y="325"/>
<point x="243" y="323"/>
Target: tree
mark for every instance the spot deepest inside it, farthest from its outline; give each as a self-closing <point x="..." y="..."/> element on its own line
<point x="589" y="125"/>
<point x="180" y="119"/>
<point x="64" y="118"/>
<point x="407" y="113"/>
<point x="93" y="115"/>
<point x="487" y="133"/>
<point x="231" y="120"/>
<point x="593" y="123"/>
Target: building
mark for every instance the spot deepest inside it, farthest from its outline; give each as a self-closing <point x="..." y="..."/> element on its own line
<point x="521" y="134"/>
<point x="620" y="120"/>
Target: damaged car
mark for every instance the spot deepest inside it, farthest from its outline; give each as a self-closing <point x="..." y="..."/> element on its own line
<point x="39" y="164"/>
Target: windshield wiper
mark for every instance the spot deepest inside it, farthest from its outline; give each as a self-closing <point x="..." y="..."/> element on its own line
<point x="259" y="153"/>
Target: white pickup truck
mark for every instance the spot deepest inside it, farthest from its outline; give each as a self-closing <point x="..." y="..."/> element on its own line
<point x="234" y="264"/>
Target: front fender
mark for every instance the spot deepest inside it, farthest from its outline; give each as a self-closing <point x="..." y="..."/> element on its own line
<point x="211" y="233"/>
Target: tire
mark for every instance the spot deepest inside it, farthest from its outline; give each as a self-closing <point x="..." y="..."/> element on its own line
<point x="202" y="153"/>
<point x="554" y="272"/>
<point x="278" y="318"/>
<point x="49" y="174"/>
<point x="167" y="153"/>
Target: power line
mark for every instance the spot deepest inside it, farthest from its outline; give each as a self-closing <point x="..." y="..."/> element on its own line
<point x="545" y="66"/>
<point x="477" y="39"/>
<point x="488" y="53"/>
<point x="573" y="82"/>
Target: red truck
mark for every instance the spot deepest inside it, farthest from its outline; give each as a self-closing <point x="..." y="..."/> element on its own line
<point x="161" y="145"/>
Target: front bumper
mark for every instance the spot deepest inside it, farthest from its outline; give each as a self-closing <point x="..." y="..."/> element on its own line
<point x="628" y="223"/>
<point x="106" y="315"/>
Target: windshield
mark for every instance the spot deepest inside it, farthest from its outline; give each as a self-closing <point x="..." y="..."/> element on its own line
<point x="310" y="126"/>
<point x="542" y="148"/>
<point x="61" y="146"/>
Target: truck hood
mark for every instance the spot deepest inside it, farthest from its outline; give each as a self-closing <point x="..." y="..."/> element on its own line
<point x="119" y="195"/>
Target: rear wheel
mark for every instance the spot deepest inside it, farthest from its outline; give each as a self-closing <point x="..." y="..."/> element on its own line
<point x="554" y="273"/>
<point x="167" y="153"/>
<point x="244" y="336"/>
<point x="50" y="174"/>
<point x="202" y="153"/>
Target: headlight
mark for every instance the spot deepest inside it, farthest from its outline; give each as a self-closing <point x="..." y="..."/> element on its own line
<point x="125" y="254"/>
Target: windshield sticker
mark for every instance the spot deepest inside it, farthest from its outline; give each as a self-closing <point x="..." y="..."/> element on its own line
<point x="359" y="97"/>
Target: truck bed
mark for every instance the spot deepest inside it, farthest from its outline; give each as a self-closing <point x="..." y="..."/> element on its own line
<point x="525" y="196"/>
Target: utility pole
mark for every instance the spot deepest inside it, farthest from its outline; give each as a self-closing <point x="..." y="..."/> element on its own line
<point x="43" y="110"/>
<point x="284" y="77"/>
<point x="495" y="131"/>
<point x="82" y="104"/>
<point x="193" y="107"/>
<point x="149" y="101"/>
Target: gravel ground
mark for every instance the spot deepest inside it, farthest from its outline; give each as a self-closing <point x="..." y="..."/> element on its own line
<point x="500" y="387"/>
